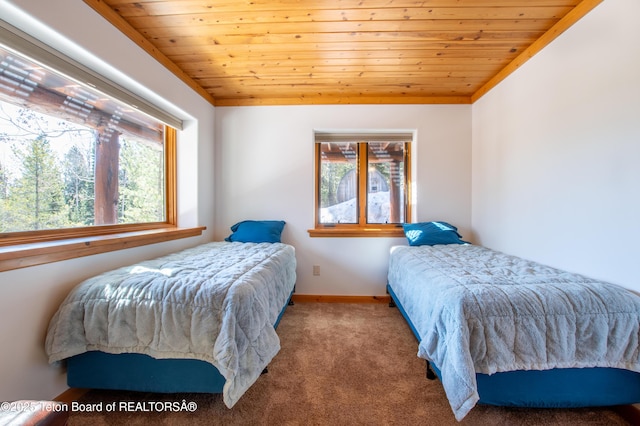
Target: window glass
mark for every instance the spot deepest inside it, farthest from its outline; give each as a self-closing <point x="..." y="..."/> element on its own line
<point x="386" y="182"/>
<point x="361" y="182"/>
<point x="72" y="157"/>
<point x="338" y="182"/>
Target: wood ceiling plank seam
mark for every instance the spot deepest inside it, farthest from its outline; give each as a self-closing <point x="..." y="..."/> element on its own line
<point x="316" y="18"/>
<point x="355" y="37"/>
<point x="353" y="72"/>
<point x="347" y="78"/>
<point x="387" y="46"/>
<point x="344" y="100"/>
<point x="194" y="61"/>
<point x="334" y="66"/>
<point x="240" y="50"/>
<point x="434" y="57"/>
<point x="238" y="89"/>
<point x="160" y="8"/>
<point x="538" y="24"/>
<point x="266" y="85"/>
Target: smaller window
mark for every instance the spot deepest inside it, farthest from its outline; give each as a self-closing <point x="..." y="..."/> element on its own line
<point x="362" y="184"/>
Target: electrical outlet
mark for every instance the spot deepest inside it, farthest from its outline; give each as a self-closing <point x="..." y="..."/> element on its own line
<point x="316" y="270"/>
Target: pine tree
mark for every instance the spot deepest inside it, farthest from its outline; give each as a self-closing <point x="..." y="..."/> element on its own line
<point x="79" y="185"/>
<point x="36" y="198"/>
<point x="141" y="180"/>
<point x="4" y="193"/>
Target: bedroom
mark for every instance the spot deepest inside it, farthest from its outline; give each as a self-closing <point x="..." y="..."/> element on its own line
<point x="558" y="185"/>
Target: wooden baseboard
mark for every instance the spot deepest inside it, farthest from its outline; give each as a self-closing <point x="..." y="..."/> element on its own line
<point x="307" y="298"/>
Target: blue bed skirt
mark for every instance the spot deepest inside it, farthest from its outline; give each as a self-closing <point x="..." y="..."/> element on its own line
<point x="139" y="372"/>
<point x="557" y="388"/>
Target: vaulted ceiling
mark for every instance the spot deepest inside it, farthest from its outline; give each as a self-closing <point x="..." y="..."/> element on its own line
<point x="279" y="52"/>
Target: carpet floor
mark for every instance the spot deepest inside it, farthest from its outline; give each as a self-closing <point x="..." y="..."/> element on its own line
<point x="340" y="364"/>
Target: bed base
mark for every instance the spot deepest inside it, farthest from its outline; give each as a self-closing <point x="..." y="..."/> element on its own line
<point x="431" y="375"/>
<point x="556" y="388"/>
<point x="139" y="372"/>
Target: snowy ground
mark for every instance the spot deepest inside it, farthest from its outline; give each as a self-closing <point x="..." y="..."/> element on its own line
<point x="346" y="212"/>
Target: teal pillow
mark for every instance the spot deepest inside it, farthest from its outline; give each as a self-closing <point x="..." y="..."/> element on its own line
<point x="256" y="231"/>
<point x="431" y="233"/>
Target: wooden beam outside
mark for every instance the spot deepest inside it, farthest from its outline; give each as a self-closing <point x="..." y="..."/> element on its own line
<point x="106" y="177"/>
<point x="53" y="103"/>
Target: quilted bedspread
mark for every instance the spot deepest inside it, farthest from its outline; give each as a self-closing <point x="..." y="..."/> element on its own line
<point x="478" y="310"/>
<point x="216" y="302"/>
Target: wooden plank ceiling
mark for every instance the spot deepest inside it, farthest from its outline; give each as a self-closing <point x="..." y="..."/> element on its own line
<point x="275" y="52"/>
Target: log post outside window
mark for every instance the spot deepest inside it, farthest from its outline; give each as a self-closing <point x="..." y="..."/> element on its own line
<point x="106" y="176"/>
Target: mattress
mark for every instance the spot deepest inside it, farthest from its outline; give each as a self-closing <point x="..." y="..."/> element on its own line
<point x="216" y="303"/>
<point x="481" y="312"/>
<point x="142" y="373"/>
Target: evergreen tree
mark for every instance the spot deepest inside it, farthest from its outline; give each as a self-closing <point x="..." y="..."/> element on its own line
<point x="4" y="188"/>
<point x="4" y="182"/>
<point x="36" y="198"/>
<point x="79" y="185"/>
<point x="141" y="183"/>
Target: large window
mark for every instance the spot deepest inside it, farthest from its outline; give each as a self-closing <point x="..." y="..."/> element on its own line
<point x="71" y="157"/>
<point x="84" y="164"/>
<point x="362" y="184"/>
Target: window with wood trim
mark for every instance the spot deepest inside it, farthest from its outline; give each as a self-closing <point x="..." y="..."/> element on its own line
<point x="362" y="184"/>
<point x="74" y="161"/>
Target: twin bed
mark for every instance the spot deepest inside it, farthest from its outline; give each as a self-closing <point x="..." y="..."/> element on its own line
<point x="200" y="320"/>
<point x="501" y="330"/>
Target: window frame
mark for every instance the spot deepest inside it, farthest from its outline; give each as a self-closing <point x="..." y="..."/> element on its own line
<point x="29" y="248"/>
<point x="362" y="228"/>
<point x="25" y="237"/>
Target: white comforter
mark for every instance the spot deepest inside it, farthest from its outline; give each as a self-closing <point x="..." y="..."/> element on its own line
<point x="479" y="310"/>
<point x="216" y="302"/>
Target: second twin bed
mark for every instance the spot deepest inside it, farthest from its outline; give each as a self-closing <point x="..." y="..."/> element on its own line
<point x="502" y="330"/>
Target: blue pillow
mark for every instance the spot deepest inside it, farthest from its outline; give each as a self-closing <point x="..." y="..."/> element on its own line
<point x="431" y="233"/>
<point x="257" y="231"/>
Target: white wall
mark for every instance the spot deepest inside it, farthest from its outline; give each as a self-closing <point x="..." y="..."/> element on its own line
<point x="29" y="297"/>
<point x="265" y="170"/>
<point x="556" y="151"/>
<point x="555" y="170"/>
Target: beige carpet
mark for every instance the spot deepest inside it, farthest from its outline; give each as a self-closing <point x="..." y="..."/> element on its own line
<point x="340" y="364"/>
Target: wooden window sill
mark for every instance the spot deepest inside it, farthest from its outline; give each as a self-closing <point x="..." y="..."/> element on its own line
<point x="38" y="253"/>
<point x="356" y="232"/>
